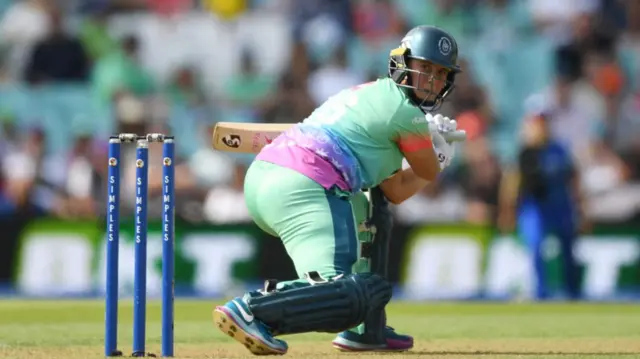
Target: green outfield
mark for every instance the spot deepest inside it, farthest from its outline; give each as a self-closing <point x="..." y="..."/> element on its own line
<point x="75" y="329"/>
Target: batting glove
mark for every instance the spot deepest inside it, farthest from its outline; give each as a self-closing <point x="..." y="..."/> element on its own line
<point x="444" y="133"/>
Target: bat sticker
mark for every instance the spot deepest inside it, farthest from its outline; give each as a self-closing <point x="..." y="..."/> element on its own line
<point x="257" y="144"/>
<point x="232" y="141"/>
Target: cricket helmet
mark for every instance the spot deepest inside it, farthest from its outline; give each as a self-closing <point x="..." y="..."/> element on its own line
<point x="427" y="43"/>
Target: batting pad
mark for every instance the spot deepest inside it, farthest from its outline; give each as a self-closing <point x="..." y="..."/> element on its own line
<point x="329" y="307"/>
<point x="377" y="253"/>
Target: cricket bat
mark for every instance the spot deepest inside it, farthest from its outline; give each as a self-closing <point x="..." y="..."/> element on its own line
<point x="246" y="137"/>
<point x="252" y="137"/>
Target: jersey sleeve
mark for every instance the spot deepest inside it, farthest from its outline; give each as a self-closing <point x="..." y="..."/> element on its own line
<point x="410" y="129"/>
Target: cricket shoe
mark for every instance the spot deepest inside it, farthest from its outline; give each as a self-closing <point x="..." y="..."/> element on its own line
<point x="349" y="341"/>
<point x="236" y="320"/>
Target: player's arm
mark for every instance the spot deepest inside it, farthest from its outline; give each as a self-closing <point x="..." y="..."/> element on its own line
<point x="402" y="185"/>
<point x="422" y="144"/>
<point x="507" y="198"/>
<point x="424" y="169"/>
<point x="509" y="190"/>
<point x="425" y="150"/>
<point x="421" y="156"/>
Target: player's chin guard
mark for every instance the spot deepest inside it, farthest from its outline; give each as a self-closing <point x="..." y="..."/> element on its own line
<point x="427" y="43"/>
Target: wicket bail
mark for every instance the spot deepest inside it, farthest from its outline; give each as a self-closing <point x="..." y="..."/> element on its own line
<point x="140" y="257"/>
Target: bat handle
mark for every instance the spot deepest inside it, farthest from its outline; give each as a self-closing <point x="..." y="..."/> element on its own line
<point x="455" y="136"/>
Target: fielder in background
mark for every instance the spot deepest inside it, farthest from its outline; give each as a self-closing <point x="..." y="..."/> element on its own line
<point x="541" y="197"/>
<point x="303" y="188"/>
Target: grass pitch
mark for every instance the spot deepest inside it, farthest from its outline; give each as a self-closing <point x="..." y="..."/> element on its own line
<point x="75" y="330"/>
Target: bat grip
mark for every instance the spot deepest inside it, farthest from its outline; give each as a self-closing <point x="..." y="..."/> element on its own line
<point x="455" y="136"/>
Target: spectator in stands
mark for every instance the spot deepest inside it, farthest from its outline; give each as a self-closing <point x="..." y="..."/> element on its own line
<point x="79" y="177"/>
<point x="582" y="106"/>
<point x="186" y="89"/>
<point x="94" y="32"/>
<point x="8" y="134"/>
<point x="25" y="178"/>
<point x="121" y="72"/>
<point x="577" y="109"/>
<point x="555" y="19"/>
<point x="378" y="26"/>
<point x="318" y="23"/>
<point x="225" y="203"/>
<point x="22" y="26"/>
<point x="210" y="167"/>
<point x="499" y="24"/>
<point x="169" y="8"/>
<point x="249" y="88"/>
<point x="333" y="77"/>
<point x="480" y="177"/>
<point x="59" y="57"/>
<point x="603" y="71"/>
<point x="246" y="92"/>
<point x="629" y="43"/>
<point x="8" y="131"/>
<point x="447" y="14"/>
<point x="626" y="132"/>
<point x="224" y="9"/>
<point x="376" y="20"/>
<point x="291" y="102"/>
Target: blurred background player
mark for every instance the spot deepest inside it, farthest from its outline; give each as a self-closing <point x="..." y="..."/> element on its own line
<point x="301" y="188"/>
<point x="543" y="193"/>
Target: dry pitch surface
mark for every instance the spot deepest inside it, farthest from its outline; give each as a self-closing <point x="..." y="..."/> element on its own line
<point x="75" y="330"/>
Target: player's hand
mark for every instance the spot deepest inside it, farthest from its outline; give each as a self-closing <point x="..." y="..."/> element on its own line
<point x="444" y="150"/>
<point x="443" y="124"/>
<point x="446" y="126"/>
<point x="444" y="133"/>
<point x="440" y="128"/>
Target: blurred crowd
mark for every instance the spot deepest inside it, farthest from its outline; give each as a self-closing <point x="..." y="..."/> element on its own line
<point x="73" y="72"/>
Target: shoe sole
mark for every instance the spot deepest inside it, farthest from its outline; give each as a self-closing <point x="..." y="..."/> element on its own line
<point x="344" y="347"/>
<point x="230" y="326"/>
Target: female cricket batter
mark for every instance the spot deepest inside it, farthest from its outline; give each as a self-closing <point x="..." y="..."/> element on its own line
<point x="301" y="187"/>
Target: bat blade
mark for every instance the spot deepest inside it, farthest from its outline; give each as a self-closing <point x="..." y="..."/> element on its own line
<point x="245" y="137"/>
<point x="252" y="137"/>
